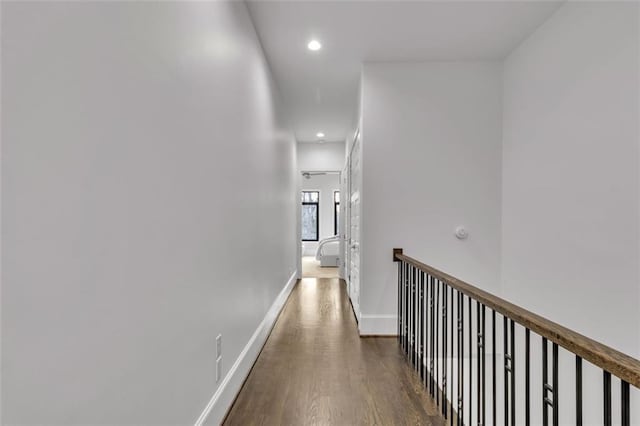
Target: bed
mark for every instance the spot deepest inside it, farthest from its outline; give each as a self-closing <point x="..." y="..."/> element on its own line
<point x="328" y="252"/>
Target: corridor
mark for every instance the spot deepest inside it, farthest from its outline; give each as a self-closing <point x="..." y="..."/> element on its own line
<point x="315" y="369"/>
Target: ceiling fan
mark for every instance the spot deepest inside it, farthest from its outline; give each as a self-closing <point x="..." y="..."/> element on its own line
<point x="307" y="175"/>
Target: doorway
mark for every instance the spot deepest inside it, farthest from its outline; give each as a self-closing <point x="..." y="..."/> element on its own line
<point x="319" y="224"/>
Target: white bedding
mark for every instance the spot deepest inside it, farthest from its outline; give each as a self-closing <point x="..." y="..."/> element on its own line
<point x="328" y="252"/>
<point x="331" y="248"/>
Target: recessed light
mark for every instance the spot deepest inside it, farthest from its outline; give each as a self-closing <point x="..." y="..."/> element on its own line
<point x="320" y="135"/>
<point x="314" y="45"/>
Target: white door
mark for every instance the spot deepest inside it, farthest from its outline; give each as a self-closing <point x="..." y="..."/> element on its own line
<point x="344" y="224"/>
<point x="354" y="225"/>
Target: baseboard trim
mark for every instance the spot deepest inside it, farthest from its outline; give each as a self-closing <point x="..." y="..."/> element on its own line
<point x="222" y="400"/>
<point x="378" y="325"/>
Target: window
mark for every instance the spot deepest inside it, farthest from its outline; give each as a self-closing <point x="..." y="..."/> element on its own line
<point x="310" y="213"/>
<point x="336" y="212"/>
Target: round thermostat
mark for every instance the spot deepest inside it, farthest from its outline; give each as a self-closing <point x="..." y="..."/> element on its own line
<point x="461" y="233"/>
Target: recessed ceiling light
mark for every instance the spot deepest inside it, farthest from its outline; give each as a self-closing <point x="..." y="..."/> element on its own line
<point x="320" y="135"/>
<point x="314" y="45"/>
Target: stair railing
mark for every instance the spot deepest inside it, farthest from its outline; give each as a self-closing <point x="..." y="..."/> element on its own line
<point x="446" y="326"/>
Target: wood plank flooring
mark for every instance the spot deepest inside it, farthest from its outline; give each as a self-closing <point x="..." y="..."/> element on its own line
<point x="311" y="269"/>
<point x="316" y="370"/>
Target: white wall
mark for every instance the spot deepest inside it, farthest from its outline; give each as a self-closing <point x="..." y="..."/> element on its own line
<point x="571" y="184"/>
<point x="321" y="156"/>
<point x="145" y="163"/>
<point x="570" y="172"/>
<point x="431" y="150"/>
<point x="326" y="184"/>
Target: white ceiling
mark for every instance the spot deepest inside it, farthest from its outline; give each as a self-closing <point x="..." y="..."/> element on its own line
<point x="320" y="88"/>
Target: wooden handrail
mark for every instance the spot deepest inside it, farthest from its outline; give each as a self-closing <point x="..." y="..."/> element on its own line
<point x="624" y="366"/>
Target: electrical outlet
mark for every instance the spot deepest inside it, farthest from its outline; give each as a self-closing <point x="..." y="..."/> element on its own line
<point x="219" y="346"/>
<point x="218" y="369"/>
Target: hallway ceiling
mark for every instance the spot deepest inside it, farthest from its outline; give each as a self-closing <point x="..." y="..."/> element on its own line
<point x="320" y="89"/>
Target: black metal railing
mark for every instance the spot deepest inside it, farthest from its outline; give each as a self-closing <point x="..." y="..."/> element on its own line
<point x="444" y="330"/>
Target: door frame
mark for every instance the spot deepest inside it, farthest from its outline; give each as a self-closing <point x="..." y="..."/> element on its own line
<point x="355" y="304"/>
<point x="299" y="189"/>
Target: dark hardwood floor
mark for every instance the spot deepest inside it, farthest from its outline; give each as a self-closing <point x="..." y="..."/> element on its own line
<point x="315" y="369"/>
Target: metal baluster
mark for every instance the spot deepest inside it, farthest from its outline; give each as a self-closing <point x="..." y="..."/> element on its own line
<point x="607" y="398"/>
<point x="402" y="266"/>
<point x="625" y="410"/>
<point x="512" y="371"/>
<point x="409" y="309"/>
<point x="451" y="333"/>
<point x="578" y="391"/>
<point x="427" y="329"/>
<point x="493" y="370"/>
<point x="470" y="323"/>
<point x="408" y="342"/>
<point x="455" y="402"/>
<point x="460" y="363"/>
<point x="445" y="313"/>
<point x="484" y="368"/>
<point x="432" y="337"/>
<point x="406" y="306"/>
<point x="545" y="386"/>
<point x="421" y="352"/>
<point x="418" y="320"/>
<point x="505" y="342"/>
<point x="527" y="378"/>
<point x="556" y="407"/>
<point x="416" y="326"/>
<point x="479" y="345"/>
<point x="435" y="373"/>
<point x="399" y="301"/>
<point x="414" y="306"/>
<point x="416" y="350"/>
<point x="416" y="331"/>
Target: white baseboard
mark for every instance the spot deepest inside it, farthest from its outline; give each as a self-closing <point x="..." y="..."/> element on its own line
<point x="378" y="325"/>
<point x="224" y="396"/>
